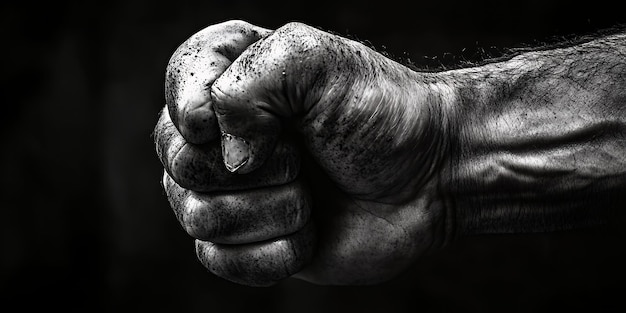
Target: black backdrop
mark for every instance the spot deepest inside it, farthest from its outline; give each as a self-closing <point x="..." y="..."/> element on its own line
<point x="85" y="225"/>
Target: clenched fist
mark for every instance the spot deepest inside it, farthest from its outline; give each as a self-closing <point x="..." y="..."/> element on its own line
<point x="245" y="103"/>
<point x="296" y="152"/>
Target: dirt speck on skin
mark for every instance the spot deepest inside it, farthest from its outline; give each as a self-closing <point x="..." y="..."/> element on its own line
<point x="353" y="98"/>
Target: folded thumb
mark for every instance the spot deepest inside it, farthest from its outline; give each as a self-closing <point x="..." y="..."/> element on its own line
<point x="249" y="134"/>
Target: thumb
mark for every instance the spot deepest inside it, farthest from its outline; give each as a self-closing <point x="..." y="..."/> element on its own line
<point x="265" y="85"/>
<point x="249" y="133"/>
<point x="275" y="79"/>
<point x="194" y="66"/>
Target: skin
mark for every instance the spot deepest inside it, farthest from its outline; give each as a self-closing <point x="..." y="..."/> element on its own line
<point x="300" y="153"/>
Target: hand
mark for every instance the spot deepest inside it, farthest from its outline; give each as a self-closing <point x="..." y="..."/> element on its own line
<point x="357" y="206"/>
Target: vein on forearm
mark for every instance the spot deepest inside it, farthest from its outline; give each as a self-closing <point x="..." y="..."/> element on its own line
<point x="540" y="140"/>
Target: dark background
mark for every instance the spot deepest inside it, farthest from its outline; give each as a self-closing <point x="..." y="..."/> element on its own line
<point x="85" y="225"/>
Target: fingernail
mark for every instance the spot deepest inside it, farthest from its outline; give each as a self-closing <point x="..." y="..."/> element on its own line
<point x="235" y="151"/>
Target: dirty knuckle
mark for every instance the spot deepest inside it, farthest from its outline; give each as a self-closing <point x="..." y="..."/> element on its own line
<point x="299" y="37"/>
<point x="296" y="27"/>
<point x="197" y="222"/>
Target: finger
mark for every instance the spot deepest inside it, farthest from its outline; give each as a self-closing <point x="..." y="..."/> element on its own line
<point x="199" y="167"/>
<point x="269" y="81"/>
<point x="193" y="68"/>
<point x="262" y="263"/>
<point x="243" y="216"/>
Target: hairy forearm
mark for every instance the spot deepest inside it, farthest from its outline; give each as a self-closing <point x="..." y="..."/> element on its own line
<point x="538" y="142"/>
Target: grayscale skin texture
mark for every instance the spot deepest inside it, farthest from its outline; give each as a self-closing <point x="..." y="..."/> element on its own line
<point x="296" y="152"/>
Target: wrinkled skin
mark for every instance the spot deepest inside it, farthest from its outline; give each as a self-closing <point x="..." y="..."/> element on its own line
<point x="296" y="152"/>
<point x="339" y="185"/>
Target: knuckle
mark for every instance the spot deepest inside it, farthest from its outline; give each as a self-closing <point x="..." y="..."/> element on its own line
<point x="296" y="27"/>
<point x="198" y="220"/>
<point x="300" y="37"/>
<point x="192" y="167"/>
<point x="238" y="23"/>
<point x="177" y="165"/>
<point x="208" y="256"/>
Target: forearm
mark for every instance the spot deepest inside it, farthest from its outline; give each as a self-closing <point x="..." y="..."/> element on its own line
<point x="538" y="142"/>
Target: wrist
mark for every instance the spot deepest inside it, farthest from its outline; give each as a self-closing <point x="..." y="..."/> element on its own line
<point x="435" y="94"/>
